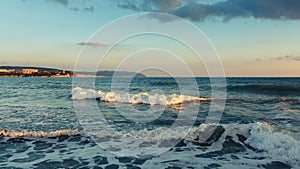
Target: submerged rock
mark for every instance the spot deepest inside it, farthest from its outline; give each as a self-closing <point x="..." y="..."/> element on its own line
<point x="242" y="139"/>
<point x="216" y="133"/>
<point x="229" y="146"/>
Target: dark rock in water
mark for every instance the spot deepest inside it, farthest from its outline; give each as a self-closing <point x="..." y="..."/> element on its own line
<point x="62" y="138"/>
<point x="242" y="139"/>
<point x="100" y="160"/>
<point x="203" y="144"/>
<point x="276" y="165"/>
<point x="181" y="144"/>
<point x="216" y="134"/>
<point x="229" y="146"/>
<point x="70" y="163"/>
<point x="132" y="167"/>
<point x="213" y="165"/>
<point x="125" y="159"/>
<point x="112" y="166"/>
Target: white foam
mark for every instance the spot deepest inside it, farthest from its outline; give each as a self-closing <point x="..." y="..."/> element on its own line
<point x="278" y="145"/>
<point x="81" y="94"/>
<point x="139" y="98"/>
<point x="13" y="133"/>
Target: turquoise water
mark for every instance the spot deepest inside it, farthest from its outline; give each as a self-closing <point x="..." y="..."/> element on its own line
<point x="40" y="127"/>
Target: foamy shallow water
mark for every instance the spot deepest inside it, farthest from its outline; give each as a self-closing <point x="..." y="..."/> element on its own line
<point x="40" y="129"/>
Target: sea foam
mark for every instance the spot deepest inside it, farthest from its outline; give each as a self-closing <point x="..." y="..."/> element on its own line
<point x="139" y="98"/>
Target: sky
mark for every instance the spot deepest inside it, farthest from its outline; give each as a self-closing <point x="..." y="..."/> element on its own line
<point x="251" y="37"/>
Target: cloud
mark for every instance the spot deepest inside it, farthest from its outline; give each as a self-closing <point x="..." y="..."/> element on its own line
<point x="228" y="9"/>
<point x="95" y="44"/>
<point x="77" y="5"/>
<point x="280" y="58"/>
<point x="63" y="2"/>
<point x="287" y="57"/>
<point x="196" y="10"/>
<point x="150" y="5"/>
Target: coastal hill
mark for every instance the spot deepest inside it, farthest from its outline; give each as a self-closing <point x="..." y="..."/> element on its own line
<point x="108" y="73"/>
<point x="32" y="71"/>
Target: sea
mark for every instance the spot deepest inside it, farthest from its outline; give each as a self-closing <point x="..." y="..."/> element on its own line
<point x="151" y="123"/>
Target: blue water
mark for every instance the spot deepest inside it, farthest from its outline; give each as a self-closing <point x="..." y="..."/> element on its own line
<point x="265" y="110"/>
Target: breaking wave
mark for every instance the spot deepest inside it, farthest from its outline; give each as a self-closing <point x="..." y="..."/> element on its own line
<point x="139" y="98"/>
<point x="14" y="133"/>
<point x="259" y="138"/>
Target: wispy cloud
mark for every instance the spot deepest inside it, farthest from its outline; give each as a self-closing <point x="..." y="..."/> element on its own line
<point x="62" y="2"/>
<point x="287" y="57"/>
<point x="78" y="5"/>
<point x="281" y="58"/>
<point x="95" y="44"/>
<point x="150" y="5"/>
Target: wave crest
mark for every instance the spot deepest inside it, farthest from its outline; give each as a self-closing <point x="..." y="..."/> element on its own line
<point x="139" y="98"/>
<point x="13" y="133"/>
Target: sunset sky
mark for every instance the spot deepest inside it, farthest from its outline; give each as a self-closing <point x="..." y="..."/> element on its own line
<point x="252" y="37"/>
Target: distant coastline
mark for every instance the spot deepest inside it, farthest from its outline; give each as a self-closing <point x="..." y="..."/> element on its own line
<point x="44" y="72"/>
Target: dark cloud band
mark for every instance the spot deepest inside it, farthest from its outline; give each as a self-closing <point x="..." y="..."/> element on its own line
<point x="196" y="11"/>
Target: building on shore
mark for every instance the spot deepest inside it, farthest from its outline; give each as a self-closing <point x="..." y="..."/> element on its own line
<point x="4" y="71"/>
<point x="29" y="71"/>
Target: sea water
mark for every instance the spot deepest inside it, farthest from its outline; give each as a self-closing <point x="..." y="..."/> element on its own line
<point x="40" y="125"/>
